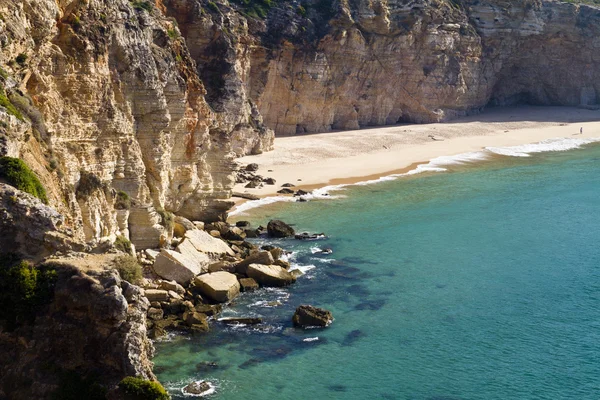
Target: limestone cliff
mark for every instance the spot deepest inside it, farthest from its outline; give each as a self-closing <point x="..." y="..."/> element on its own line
<point x="110" y="102"/>
<point x="389" y="61"/>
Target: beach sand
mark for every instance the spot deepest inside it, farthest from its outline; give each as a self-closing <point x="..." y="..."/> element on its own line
<point x="314" y="160"/>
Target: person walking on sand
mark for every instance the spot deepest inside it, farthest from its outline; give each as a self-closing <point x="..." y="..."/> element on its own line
<point x="581" y="130"/>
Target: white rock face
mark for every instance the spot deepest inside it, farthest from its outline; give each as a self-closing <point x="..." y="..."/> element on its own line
<point x="181" y="268"/>
<point x="220" y="286"/>
<point x="203" y="242"/>
<point x="270" y="275"/>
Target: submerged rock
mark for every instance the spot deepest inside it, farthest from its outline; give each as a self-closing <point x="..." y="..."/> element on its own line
<point x="310" y="316"/>
<point x="279" y="229"/>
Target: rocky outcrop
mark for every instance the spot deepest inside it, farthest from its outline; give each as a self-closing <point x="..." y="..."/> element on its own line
<point x="307" y="316"/>
<point x="279" y="229"/>
<point x="270" y="275"/>
<point x="94" y="328"/>
<point x="30" y="228"/>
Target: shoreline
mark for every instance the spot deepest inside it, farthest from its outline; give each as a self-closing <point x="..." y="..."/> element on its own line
<point x="348" y="157"/>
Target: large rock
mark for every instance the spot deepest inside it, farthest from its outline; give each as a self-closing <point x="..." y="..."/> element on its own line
<point x="308" y="316"/>
<point x="178" y="267"/>
<point x="270" y="275"/>
<point x="279" y="229"/>
<point x="205" y="243"/>
<point x="259" y="257"/>
<point x="220" y="286"/>
<point x="30" y="228"/>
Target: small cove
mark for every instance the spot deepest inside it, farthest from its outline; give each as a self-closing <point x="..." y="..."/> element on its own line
<point x="476" y="284"/>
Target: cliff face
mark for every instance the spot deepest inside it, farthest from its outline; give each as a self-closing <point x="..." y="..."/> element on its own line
<point x="113" y="97"/>
<point x="389" y="61"/>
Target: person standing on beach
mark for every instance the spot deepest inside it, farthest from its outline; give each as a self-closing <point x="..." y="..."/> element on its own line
<point x="581" y="130"/>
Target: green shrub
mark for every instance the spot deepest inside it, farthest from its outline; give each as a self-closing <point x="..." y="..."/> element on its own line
<point x="123" y="202"/>
<point x="88" y="184"/>
<point x="21" y="59"/>
<point x="74" y="386"/>
<point x="256" y="8"/>
<point x="16" y="173"/>
<point x="142" y="5"/>
<point x="301" y="11"/>
<point x="172" y="33"/>
<point x="211" y="5"/>
<point x="123" y="244"/>
<point x="141" y="389"/>
<point x="23" y="290"/>
<point x="129" y="269"/>
<point x="10" y="108"/>
<point x="166" y="219"/>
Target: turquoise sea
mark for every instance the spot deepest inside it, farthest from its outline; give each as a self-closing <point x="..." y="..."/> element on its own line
<point x="480" y="282"/>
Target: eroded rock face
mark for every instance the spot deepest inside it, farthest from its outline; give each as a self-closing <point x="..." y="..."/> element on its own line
<point x="111" y="90"/>
<point x="95" y="324"/>
<point x="30" y="228"/>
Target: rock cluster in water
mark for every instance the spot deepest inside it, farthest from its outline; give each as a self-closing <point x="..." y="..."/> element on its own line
<point x="208" y="267"/>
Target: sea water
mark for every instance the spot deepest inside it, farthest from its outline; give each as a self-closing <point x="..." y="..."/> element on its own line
<point x="477" y="279"/>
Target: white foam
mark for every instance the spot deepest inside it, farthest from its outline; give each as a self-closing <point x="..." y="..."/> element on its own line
<point x="556" y="144"/>
<point x="302" y="268"/>
<point x="311" y="339"/>
<point x="315" y="250"/>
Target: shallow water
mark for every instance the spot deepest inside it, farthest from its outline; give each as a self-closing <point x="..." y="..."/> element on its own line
<point x="482" y="283"/>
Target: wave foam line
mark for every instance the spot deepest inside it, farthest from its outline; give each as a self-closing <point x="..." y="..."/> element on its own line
<point x="437" y="164"/>
<point x="548" y="145"/>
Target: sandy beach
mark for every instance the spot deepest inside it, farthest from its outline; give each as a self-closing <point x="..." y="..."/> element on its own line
<point x="314" y="160"/>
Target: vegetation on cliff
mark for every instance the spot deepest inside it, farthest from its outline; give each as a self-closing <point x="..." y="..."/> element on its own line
<point x="16" y="173"/>
<point x="128" y="267"/>
<point x="24" y="288"/>
<point x="141" y="389"/>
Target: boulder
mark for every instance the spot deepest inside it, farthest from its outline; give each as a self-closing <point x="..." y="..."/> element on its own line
<point x="288" y="185"/>
<point x="221" y="266"/>
<point x="178" y="267"/>
<point x="205" y="243"/>
<point x="199" y="225"/>
<point x="276" y="252"/>
<point x="253" y="167"/>
<point x="270" y="275"/>
<point x="301" y="193"/>
<point x="285" y="191"/>
<point x="259" y="257"/>
<point x="254" y="185"/>
<point x="309" y="316"/>
<point x="192" y="317"/>
<point x="243" y="224"/>
<point x="248" y="284"/>
<point x="171" y="285"/>
<point x="156" y="295"/>
<point x="155" y="313"/>
<point x="279" y="229"/>
<point x="197" y="389"/>
<point x="269" y="181"/>
<point x="219" y="286"/>
<point x="209" y="309"/>
<point x="234" y="233"/>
